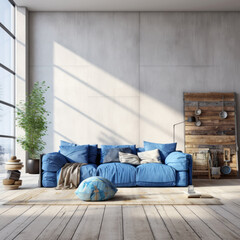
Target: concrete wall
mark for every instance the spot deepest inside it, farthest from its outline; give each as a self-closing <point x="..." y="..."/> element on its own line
<point x="120" y="77"/>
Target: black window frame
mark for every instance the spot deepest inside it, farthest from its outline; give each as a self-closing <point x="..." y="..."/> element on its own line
<point x="12" y="35"/>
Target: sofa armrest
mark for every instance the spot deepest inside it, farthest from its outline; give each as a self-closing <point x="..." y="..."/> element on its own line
<point x="52" y="162"/>
<point x="181" y="162"/>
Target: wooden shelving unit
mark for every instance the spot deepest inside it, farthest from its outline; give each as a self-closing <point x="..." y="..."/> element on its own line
<point x="214" y="133"/>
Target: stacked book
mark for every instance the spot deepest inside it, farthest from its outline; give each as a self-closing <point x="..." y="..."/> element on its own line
<point x="12" y="181"/>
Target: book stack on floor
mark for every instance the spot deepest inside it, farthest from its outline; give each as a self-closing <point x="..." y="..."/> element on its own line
<point x="12" y="181"/>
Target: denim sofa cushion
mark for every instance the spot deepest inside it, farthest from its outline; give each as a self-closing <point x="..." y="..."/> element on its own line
<point x="113" y="154"/>
<point x="92" y="151"/>
<point x="52" y="162"/>
<point x="96" y="189"/>
<point x="155" y="175"/>
<point x="181" y="178"/>
<point x="178" y="160"/>
<point x="86" y="171"/>
<point x="120" y="174"/>
<point x="105" y="149"/>
<point x="77" y="153"/>
<point x="49" y="179"/>
<point x="164" y="149"/>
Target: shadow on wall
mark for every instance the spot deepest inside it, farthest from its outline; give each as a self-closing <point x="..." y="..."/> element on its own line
<point x="105" y="62"/>
<point x="111" y="131"/>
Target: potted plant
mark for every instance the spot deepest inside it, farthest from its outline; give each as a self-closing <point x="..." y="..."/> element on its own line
<point x="32" y="116"/>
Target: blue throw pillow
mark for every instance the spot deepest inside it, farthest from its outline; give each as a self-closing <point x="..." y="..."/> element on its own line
<point x="64" y="143"/>
<point x="96" y="189"/>
<point x="164" y="149"/>
<point x="77" y="153"/>
<point x="52" y="162"/>
<point x="92" y="151"/>
<point x="106" y="148"/>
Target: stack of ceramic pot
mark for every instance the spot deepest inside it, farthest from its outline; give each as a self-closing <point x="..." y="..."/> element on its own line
<point x="12" y="181"/>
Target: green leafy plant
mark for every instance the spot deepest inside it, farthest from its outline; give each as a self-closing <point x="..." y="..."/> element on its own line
<point x="32" y="116"/>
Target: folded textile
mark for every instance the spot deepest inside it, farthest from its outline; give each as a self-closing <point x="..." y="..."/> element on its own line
<point x="69" y="176"/>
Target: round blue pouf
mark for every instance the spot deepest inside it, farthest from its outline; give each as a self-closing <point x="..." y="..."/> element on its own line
<point x="96" y="189"/>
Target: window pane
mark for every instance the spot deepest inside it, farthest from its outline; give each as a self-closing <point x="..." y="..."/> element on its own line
<point x="6" y="49"/>
<point x="7" y="14"/>
<point x="6" y="86"/>
<point x="6" y="120"/>
<point x="6" y="151"/>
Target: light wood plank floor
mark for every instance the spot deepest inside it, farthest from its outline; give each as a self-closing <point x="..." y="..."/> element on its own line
<point x="142" y="222"/>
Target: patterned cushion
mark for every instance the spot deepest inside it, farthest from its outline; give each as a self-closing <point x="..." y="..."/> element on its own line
<point x="96" y="189"/>
<point x="129" y="158"/>
<point x="152" y="156"/>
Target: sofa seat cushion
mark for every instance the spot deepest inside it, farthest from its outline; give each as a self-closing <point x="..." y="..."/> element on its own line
<point x="49" y="179"/>
<point x="96" y="189"/>
<point x="86" y="171"/>
<point x="52" y="162"/>
<point x="120" y="174"/>
<point x="155" y="175"/>
<point x="178" y="160"/>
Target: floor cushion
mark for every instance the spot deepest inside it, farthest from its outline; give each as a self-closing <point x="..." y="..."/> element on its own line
<point x="120" y="174"/>
<point x="86" y="171"/>
<point x="155" y="175"/>
<point x="96" y="189"/>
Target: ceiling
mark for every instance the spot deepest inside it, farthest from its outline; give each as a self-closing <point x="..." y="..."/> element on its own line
<point x="130" y="5"/>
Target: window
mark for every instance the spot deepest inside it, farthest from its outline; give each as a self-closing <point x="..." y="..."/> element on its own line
<point x="7" y="81"/>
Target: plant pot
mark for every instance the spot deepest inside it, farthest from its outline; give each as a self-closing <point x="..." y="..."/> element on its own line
<point x="215" y="170"/>
<point x="33" y="166"/>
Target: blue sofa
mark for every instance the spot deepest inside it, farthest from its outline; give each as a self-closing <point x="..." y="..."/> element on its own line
<point x="175" y="171"/>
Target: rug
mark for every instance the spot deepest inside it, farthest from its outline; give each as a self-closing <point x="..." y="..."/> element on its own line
<point x="124" y="196"/>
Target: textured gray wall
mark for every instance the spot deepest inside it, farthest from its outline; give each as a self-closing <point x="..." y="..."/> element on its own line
<point x="120" y="77"/>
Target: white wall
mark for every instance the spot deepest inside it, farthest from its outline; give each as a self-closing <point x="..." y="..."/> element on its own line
<point x="21" y="67"/>
<point x="119" y="77"/>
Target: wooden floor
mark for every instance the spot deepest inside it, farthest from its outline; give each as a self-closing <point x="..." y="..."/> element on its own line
<point x="142" y="222"/>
